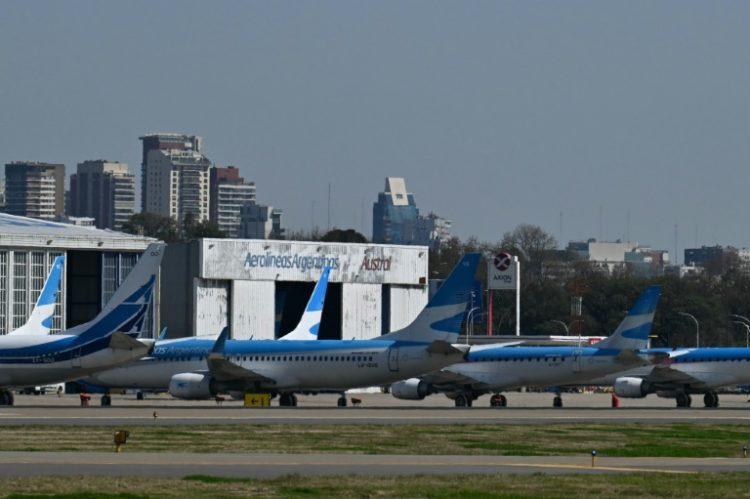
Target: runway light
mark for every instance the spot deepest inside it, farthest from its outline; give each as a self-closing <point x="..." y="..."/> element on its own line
<point x="593" y="458"/>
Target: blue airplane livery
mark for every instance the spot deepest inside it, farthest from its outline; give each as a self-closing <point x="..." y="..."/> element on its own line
<point x="40" y="319"/>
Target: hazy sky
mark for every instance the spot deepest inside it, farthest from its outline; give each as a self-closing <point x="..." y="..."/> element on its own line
<point x="496" y="113"/>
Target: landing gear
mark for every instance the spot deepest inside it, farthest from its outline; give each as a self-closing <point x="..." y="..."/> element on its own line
<point x="683" y="400"/>
<point x="463" y="400"/>
<point x="6" y="397"/>
<point x="139" y="396"/>
<point x="498" y="400"/>
<point x="557" y="401"/>
<point x="106" y="400"/>
<point x="288" y="400"/>
<point x="341" y="402"/>
<point x="711" y="399"/>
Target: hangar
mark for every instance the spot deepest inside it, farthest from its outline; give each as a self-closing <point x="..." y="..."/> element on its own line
<point x="96" y="263"/>
<point x="259" y="288"/>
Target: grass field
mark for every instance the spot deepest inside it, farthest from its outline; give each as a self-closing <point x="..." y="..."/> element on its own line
<point x="632" y="440"/>
<point x="722" y="485"/>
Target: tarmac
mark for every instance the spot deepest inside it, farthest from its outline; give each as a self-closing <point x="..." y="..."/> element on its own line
<point x="374" y="408"/>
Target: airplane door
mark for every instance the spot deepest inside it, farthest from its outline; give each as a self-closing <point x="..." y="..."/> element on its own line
<point x="77" y="357"/>
<point x="393" y="359"/>
<point x="577" y="360"/>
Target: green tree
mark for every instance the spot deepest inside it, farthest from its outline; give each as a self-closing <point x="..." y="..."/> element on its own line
<point x="152" y="225"/>
<point x="343" y="236"/>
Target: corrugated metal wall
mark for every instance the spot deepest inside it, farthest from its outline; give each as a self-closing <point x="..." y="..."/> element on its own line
<point x="360" y="311"/>
<point x="211" y="305"/>
<point x="406" y="303"/>
<point x="253" y="310"/>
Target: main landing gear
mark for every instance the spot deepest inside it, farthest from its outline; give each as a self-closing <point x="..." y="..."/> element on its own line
<point x="287" y="400"/>
<point x="557" y="401"/>
<point x="684" y="400"/>
<point x="341" y="402"/>
<point x="711" y="399"/>
<point x="498" y="400"/>
<point x="463" y="400"/>
<point x="6" y="397"/>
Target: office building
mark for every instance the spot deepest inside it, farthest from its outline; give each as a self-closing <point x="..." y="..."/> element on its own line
<point x="229" y="192"/>
<point x="175" y="177"/>
<point x="104" y="191"/>
<point x="395" y="213"/>
<point x="35" y="190"/>
<point x="260" y="222"/>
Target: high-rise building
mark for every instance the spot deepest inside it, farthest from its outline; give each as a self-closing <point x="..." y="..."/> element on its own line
<point x="34" y="189"/>
<point x="164" y="142"/>
<point x="104" y="191"/>
<point x="431" y="230"/>
<point x="260" y="222"/>
<point x="394" y="214"/>
<point x="175" y="177"/>
<point x="229" y="192"/>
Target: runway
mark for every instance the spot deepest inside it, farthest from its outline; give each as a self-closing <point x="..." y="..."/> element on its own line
<point x="525" y="408"/>
<point x="273" y="465"/>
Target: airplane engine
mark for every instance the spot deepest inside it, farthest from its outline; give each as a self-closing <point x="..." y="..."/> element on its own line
<point x="410" y="389"/>
<point x="631" y="388"/>
<point x="191" y="386"/>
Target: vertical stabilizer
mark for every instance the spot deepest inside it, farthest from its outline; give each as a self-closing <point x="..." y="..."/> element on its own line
<point x="635" y="328"/>
<point x="40" y="320"/>
<point x="308" y="326"/>
<point x="441" y="319"/>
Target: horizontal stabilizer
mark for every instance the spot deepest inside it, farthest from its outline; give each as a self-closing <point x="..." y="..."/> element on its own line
<point x="440" y="346"/>
<point x="121" y="341"/>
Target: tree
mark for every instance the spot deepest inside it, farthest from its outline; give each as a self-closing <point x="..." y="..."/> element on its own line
<point x="152" y="225"/>
<point x="343" y="236"/>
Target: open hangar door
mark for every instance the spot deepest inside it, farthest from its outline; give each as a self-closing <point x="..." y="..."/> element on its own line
<point x="291" y="299"/>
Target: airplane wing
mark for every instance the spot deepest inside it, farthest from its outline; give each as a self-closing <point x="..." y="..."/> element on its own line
<point x="225" y="370"/>
<point x="666" y="376"/>
<point x="121" y="341"/>
<point x="446" y="380"/>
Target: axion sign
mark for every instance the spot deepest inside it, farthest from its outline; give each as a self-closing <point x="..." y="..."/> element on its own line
<point x="501" y="272"/>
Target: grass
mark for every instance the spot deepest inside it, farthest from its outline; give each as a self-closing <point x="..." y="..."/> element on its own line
<point x="632" y="440"/>
<point x="719" y="485"/>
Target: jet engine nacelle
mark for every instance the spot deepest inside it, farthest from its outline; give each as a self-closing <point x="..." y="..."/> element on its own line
<point x="410" y="389"/>
<point x="631" y="387"/>
<point x="191" y="386"/>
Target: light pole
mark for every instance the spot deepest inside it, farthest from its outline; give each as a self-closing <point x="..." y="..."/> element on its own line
<point x="746" y="323"/>
<point x="697" y="328"/>
<point x="567" y="332"/>
<point x="747" y="332"/>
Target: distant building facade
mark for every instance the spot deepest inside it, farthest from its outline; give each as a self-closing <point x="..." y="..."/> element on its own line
<point x="612" y="256"/>
<point x="260" y="222"/>
<point x="431" y="230"/>
<point x="228" y="193"/>
<point x="104" y="191"/>
<point x="175" y="179"/>
<point x="35" y="190"/>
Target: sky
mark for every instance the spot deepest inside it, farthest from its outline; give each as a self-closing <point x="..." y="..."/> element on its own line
<point x="613" y="120"/>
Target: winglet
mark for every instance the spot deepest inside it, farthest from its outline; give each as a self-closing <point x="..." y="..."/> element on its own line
<point x="163" y="334"/>
<point x="220" y="341"/>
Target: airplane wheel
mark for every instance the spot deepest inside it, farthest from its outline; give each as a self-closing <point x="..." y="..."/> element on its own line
<point x="106" y="401"/>
<point x="557" y="401"/>
<point x="6" y="398"/>
<point x="711" y="399"/>
<point x="139" y="396"/>
<point x="683" y="400"/>
<point x="462" y="400"/>
<point x="293" y="398"/>
<point x="286" y="400"/>
<point x="341" y="402"/>
<point x="503" y="401"/>
<point x="496" y="401"/>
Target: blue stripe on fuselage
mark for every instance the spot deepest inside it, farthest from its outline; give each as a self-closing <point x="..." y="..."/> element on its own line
<point x="516" y="353"/>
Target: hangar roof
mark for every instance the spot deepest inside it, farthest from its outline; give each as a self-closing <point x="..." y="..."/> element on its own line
<point x="18" y="231"/>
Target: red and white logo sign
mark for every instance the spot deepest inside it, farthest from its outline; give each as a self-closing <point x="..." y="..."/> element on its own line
<point x="501" y="272"/>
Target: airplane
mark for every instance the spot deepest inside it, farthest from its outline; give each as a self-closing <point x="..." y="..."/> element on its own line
<point x="189" y="354"/>
<point x="684" y="372"/>
<point x="285" y="368"/>
<point x="105" y="341"/>
<point x="495" y="367"/>
<point x="40" y="319"/>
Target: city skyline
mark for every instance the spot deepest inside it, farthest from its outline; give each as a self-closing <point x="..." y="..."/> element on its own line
<point x="588" y="119"/>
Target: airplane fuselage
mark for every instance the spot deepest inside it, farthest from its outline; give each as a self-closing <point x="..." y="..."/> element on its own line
<point x="294" y="366"/>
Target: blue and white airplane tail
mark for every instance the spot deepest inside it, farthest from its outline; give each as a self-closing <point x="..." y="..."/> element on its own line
<point x="40" y="319"/>
<point x="308" y="326"/>
<point x="441" y="319"/>
<point x="633" y="331"/>
<point x="126" y="311"/>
